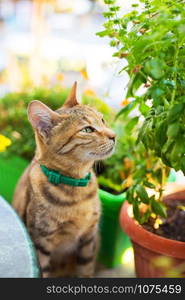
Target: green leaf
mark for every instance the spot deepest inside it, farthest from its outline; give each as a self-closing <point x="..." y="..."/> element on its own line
<point x="146" y="134"/>
<point x="155" y="92"/>
<point x="175" y="112"/>
<point x="142" y="194"/>
<point x="177" y="152"/>
<point x="158" y="208"/>
<point x="144" y="109"/>
<point x="130" y="195"/>
<point x="117" y="54"/>
<point x="113" y="43"/>
<point x="115" y="8"/>
<point x="102" y="33"/>
<point x="173" y="130"/>
<point x="127" y="109"/>
<point x="135" y="82"/>
<point x="159" y="175"/>
<point x="107" y="182"/>
<point x="145" y="217"/>
<point x="109" y="2"/>
<point x="183" y="165"/>
<point x="136" y="211"/>
<point x="149" y="184"/>
<point x="165" y="152"/>
<point x="160" y="133"/>
<point x="108" y="14"/>
<point x="169" y="82"/>
<point x="155" y="68"/>
<point x="132" y="123"/>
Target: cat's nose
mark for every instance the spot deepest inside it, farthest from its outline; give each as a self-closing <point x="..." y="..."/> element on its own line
<point x="112" y="135"/>
<point x="112" y="138"/>
<point x="109" y="134"/>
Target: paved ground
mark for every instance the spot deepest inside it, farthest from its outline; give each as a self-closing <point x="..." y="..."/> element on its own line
<point x="123" y="271"/>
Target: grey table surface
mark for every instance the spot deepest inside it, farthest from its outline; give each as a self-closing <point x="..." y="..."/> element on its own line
<point x="17" y="254"/>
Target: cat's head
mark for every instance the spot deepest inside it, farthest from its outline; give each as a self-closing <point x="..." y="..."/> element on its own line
<point x="77" y="132"/>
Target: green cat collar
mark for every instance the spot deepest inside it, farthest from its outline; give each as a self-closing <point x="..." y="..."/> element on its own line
<point x="56" y="178"/>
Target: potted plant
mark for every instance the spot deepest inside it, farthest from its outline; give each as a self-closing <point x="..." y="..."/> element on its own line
<point x="151" y="40"/>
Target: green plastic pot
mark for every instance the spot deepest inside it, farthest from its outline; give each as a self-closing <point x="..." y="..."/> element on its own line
<point x="114" y="241"/>
<point x="11" y="169"/>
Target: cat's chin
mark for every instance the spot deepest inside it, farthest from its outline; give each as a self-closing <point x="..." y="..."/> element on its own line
<point x="107" y="154"/>
<point x="103" y="155"/>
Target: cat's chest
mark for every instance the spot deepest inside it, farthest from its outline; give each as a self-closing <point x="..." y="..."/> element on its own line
<point x="61" y="204"/>
<point x="80" y="211"/>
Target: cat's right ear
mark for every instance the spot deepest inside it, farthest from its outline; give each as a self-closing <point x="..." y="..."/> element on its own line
<point x="72" y="98"/>
<point x="42" y="118"/>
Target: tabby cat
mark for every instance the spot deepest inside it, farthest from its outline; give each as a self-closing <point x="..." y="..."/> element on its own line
<point x="62" y="218"/>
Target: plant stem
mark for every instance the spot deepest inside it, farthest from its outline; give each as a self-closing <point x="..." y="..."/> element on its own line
<point x="147" y="78"/>
<point x="175" y="74"/>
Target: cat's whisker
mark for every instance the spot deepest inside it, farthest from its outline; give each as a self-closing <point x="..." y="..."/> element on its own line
<point x="96" y="166"/>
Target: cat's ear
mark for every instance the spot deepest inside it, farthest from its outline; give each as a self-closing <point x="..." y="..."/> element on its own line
<point x="42" y="118"/>
<point x="71" y="99"/>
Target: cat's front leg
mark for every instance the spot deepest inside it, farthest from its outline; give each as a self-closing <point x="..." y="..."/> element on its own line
<point x="44" y="261"/>
<point x="86" y="255"/>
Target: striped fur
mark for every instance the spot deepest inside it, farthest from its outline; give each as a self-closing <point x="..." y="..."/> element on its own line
<point x="63" y="220"/>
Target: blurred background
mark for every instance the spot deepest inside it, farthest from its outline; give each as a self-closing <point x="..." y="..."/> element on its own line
<point x="49" y="42"/>
<point x="46" y="45"/>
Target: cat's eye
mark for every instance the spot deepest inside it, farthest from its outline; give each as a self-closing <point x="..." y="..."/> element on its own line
<point x="103" y="121"/>
<point x="88" y="129"/>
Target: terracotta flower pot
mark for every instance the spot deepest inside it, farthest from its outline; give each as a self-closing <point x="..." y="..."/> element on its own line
<point x="155" y="256"/>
